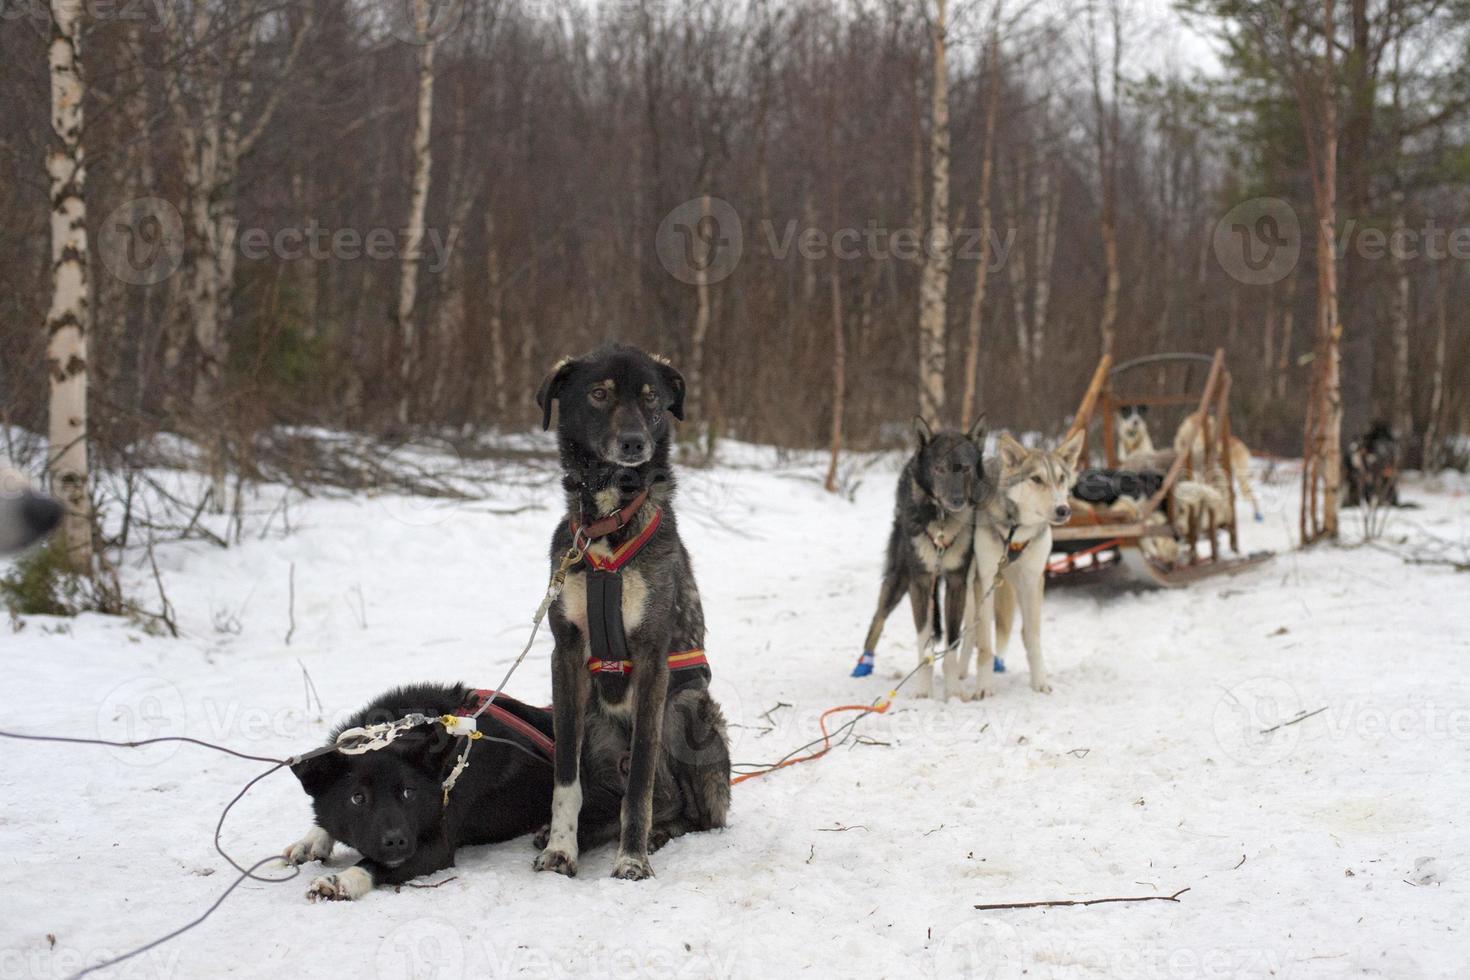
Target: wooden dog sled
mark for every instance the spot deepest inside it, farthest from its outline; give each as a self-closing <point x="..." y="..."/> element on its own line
<point x="1098" y="536"/>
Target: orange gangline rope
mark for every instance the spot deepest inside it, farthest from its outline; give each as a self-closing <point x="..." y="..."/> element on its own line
<point x="876" y="709"/>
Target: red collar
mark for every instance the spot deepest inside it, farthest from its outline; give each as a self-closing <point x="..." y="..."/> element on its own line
<point x="677" y="661"/>
<point x="628" y="549"/>
<point x="521" y="727"/>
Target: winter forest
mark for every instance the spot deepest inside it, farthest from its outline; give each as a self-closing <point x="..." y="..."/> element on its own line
<point x="285" y="286"/>
<point x="336" y="214"/>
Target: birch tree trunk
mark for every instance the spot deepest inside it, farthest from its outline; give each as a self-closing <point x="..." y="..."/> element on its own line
<point x="1322" y="470"/>
<point x="450" y="330"/>
<point x="1014" y="202"/>
<point x="1402" y="412"/>
<point x="934" y="281"/>
<point x="1432" y="428"/>
<point x="413" y="246"/>
<point x="1107" y="112"/>
<point x="977" y="298"/>
<point x="216" y="65"/>
<point x="697" y="336"/>
<point x="1268" y="337"/>
<point x="1050" y="192"/>
<point x="498" y="375"/>
<point x="69" y="318"/>
<point x="1288" y="332"/>
<point x="839" y="377"/>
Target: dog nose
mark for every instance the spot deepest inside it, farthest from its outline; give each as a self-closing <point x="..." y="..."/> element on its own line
<point x="1063" y="512"/>
<point x="40" y="513"/>
<point x="395" y="841"/>
<point x="632" y="444"/>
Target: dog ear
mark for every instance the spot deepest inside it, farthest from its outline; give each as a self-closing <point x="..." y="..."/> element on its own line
<point x="922" y="430"/>
<point x="550" y="389"/>
<point x="1071" y="449"/>
<point x="978" y="431"/>
<point x="1011" y="451"/>
<point x="675" y="381"/>
<point x="320" y="771"/>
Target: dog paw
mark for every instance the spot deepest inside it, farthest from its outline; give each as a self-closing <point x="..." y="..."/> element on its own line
<point x="315" y="846"/>
<point x="554" y="860"/>
<point x="345" y="886"/>
<point x="1040" y="685"/>
<point x="984" y="690"/>
<point x="631" y="868"/>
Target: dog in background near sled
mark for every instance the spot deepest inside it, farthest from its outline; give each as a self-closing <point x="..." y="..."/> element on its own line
<point x="1136" y="452"/>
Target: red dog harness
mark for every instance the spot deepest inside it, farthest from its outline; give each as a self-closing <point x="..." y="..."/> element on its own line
<point x="629" y="548"/>
<point x="677" y="661"/>
<point x="607" y="639"/>
<point x="516" y="724"/>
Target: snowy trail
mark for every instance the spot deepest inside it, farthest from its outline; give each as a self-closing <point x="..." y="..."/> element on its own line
<point x="1142" y="774"/>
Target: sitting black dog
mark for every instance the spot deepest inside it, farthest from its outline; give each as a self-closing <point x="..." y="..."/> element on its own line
<point x="388" y="803"/>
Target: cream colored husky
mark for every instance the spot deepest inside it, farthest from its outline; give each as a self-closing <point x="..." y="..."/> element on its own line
<point x="1013" y="539"/>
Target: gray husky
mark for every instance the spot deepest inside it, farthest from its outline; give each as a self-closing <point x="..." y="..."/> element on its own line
<point x="933" y="527"/>
<point x="25" y="515"/>
<point x="629" y="680"/>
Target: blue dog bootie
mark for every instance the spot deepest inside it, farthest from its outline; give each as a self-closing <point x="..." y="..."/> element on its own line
<point x="1000" y="666"/>
<point x="865" y="664"/>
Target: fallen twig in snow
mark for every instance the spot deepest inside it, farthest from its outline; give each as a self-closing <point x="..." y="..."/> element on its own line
<point x="310" y="691"/>
<point x="1301" y="717"/>
<point x="291" y="608"/>
<point x="1242" y="861"/>
<point x="1091" y="901"/>
<point x="770" y="711"/>
<point x="437" y="883"/>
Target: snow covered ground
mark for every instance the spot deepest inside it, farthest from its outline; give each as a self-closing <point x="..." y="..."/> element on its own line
<point x="1143" y="774"/>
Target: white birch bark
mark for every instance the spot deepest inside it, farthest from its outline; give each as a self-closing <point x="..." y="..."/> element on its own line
<point x="934" y="280"/>
<point x="69" y="317"/>
<point x="1402" y="410"/>
<point x="695" y="375"/>
<point x="413" y="246"/>
<point x="1432" y="430"/>
<point x="1050" y="206"/>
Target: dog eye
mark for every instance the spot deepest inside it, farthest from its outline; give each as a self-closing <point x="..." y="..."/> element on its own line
<point x="650" y="397"/>
<point x="408" y="792"/>
<point x="599" y="395"/>
<point x="358" y="799"/>
<point x="1037" y="479"/>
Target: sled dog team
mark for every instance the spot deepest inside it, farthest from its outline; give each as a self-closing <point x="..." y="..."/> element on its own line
<point x="983" y="529"/>
<point x="634" y="748"/>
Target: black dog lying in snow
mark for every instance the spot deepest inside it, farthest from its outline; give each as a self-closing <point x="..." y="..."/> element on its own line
<point x="388" y="803"/>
